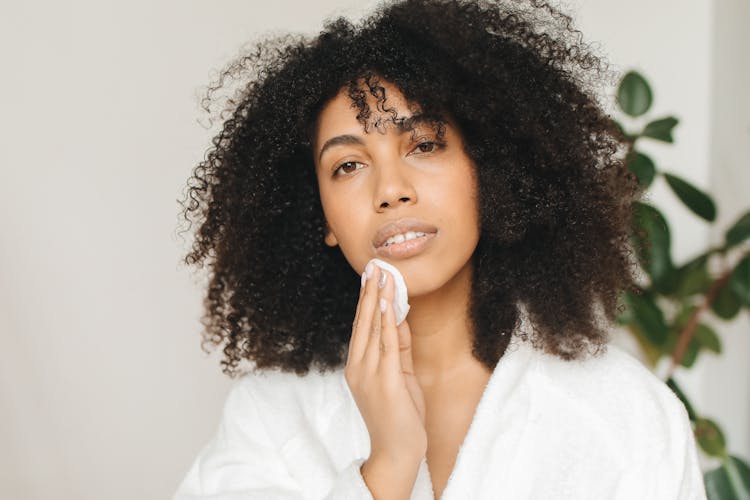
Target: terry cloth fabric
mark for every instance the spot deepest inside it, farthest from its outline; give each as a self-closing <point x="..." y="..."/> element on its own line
<point x="600" y="428"/>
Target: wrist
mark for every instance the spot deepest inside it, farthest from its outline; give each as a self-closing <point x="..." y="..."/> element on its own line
<point x="389" y="478"/>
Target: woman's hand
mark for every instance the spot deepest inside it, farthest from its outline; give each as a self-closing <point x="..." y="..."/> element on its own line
<point x="380" y="375"/>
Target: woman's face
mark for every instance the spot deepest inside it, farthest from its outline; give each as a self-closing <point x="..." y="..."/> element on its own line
<point x="370" y="180"/>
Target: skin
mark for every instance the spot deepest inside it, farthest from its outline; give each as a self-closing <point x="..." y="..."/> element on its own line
<point x="389" y="177"/>
<point x="362" y="187"/>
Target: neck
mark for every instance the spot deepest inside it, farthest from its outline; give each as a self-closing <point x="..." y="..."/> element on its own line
<point x="441" y="331"/>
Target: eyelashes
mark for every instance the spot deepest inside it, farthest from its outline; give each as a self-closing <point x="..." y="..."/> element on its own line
<point x="434" y="146"/>
<point x="336" y="169"/>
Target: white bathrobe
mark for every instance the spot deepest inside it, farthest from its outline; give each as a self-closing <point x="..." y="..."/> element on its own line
<point x="603" y="428"/>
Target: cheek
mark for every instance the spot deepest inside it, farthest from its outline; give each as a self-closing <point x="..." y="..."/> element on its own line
<point x="469" y="184"/>
<point x="462" y="189"/>
<point x="344" y="219"/>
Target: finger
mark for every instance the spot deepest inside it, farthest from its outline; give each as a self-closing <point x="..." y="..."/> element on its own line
<point x="390" y="362"/>
<point x="372" y="354"/>
<point x="363" y="277"/>
<point x="361" y="334"/>
<point x="405" y="348"/>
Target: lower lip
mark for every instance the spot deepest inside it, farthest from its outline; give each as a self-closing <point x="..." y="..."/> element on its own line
<point x="405" y="249"/>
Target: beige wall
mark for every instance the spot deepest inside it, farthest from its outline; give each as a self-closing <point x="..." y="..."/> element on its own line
<point x="727" y="378"/>
<point x="104" y="392"/>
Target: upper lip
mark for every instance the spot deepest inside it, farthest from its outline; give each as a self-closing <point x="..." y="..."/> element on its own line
<point x="401" y="226"/>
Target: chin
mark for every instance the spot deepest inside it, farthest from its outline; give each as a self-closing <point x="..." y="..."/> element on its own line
<point x="422" y="285"/>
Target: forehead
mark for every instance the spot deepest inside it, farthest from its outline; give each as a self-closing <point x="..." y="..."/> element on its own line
<point x="381" y="106"/>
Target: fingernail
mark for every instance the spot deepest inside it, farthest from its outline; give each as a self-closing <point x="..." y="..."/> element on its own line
<point x="383" y="278"/>
<point x="369" y="269"/>
<point x="364" y="279"/>
<point x="383" y="304"/>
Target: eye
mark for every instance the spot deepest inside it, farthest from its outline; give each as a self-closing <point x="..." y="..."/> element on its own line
<point x="344" y="167"/>
<point x="429" y="146"/>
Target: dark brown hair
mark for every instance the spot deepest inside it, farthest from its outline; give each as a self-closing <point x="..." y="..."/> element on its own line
<point x="555" y="196"/>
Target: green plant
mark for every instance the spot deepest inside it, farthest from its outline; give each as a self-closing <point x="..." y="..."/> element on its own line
<point x="666" y="318"/>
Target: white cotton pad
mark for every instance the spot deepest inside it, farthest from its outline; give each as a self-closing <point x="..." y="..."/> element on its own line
<point x="400" y="298"/>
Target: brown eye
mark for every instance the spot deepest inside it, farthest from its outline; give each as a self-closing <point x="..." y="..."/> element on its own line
<point x="429" y="146"/>
<point x="344" y="166"/>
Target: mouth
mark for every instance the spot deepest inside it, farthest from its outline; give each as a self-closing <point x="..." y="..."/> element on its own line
<point x="402" y="248"/>
<point x="397" y="231"/>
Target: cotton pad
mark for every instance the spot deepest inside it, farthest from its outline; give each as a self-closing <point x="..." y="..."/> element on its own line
<point x="400" y="298"/>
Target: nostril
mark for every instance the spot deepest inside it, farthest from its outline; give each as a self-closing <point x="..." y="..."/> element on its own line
<point x="385" y="204"/>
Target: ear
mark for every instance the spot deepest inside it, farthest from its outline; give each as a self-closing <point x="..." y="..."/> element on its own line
<point x="330" y="238"/>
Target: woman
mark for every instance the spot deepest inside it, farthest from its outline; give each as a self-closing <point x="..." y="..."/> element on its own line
<point x="460" y="143"/>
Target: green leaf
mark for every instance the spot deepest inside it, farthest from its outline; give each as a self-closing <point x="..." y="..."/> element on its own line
<point x="652" y="242"/>
<point x="693" y="277"/>
<point x="679" y="323"/>
<point x="718" y="486"/>
<point x="619" y="127"/>
<point x="628" y="136"/>
<point x="706" y="337"/>
<point x="681" y="318"/>
<point x="625" y="315"/>
<point x="740" y="281"/>
<point x="731" y="480"/>
<point x="681" y="395"/>
<point x="649" y="318"/>
<point x="726" y="304"/>
<point x="661" y="129"/>
<point x="740" y="231"/>
<point x="643" y="167"/>
<point x="743" y="471"/>
<point x="634" y="94"/>
<point x="651" y="352"/>
<point x="691" y="353"/>
<point x="623" y="319"/>
<point x="696" y="200"/>
<point x="710" y="437"/>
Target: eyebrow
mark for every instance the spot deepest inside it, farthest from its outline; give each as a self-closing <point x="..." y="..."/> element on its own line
<point x="341" y="140"/>
<point x="406" y="125"/>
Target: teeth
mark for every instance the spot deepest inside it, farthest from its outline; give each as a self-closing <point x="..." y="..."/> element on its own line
<point x="400" y="238"/>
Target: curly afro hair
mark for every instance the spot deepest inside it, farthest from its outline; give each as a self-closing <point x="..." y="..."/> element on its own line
<point x="555" y="195"/>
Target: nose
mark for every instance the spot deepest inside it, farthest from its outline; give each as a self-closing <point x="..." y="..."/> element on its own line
<point x="393" y="187"/>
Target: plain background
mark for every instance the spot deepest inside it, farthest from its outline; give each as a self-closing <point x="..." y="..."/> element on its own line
<point x="104" y="390"/>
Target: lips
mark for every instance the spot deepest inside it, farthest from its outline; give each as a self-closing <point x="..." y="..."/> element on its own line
<point x="401" y="226"/>
<point x="405" y="249"/>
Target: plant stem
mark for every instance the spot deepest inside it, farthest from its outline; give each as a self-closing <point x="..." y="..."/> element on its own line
<point x="687" y="332"/>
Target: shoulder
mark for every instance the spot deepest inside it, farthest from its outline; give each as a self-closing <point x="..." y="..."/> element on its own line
<point x="616" y="393"/>
<point x="283" y="402"/>
<point x="286" y="390"/>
